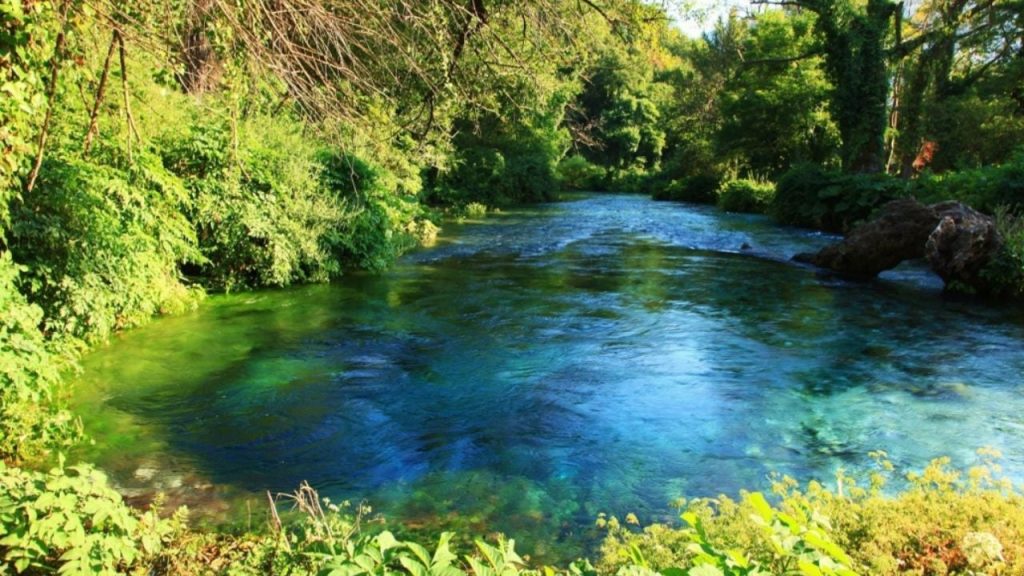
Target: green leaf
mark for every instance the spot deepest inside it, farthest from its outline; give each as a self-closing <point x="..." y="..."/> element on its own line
<point x="705" y="570"/>
<point x="412" y="566"/>
<point x="808" y="569"/>
<point x="443" y="555"/>
<point x="820" y="542"/>
<point x="419" y="552"/>
<point x="690" y="518"/>
<point x="386" y="540"/>
<point x="760" y="505"/>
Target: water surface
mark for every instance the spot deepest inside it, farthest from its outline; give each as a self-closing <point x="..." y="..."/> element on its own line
<point x="605" y="354"/>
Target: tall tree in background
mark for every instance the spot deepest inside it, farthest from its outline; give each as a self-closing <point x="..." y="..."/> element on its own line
<point x="960" y="93"/>
<point x="853" y="41"/>
<point x="775" y="105"/>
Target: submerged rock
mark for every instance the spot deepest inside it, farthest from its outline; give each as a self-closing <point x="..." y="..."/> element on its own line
<point x="957" y="241"/>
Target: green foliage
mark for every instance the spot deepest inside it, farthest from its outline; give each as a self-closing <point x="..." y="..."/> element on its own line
<point x="30" y="420"/>
<point x="746" y="195"/>
<point x="775" y="542"/>
<point x="257" y="204"/>
<point x="72" y="522"/>
<point x="944" y="522"/>
<point x="330" y="539"/>
<point x="25" y="43"/>
<point x="775" y="111"/>
<point x="853" y="39"/>
<point x="499" y="162"/>
<point x="1006" y="270"/>
<point x="702" y="189"/>
<point x="577" y="173"/>
<point x="693" y="115"/>
<point x="620" y="106"/>
<point x="379" y="228"/>
<point x="631" y="179"/>
<point x="984" y="189"/>
<point x="102" y="244"/>
<point x="811" y="196"/>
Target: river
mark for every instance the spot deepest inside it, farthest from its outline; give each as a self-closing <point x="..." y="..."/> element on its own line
<point x="601" y="354"/>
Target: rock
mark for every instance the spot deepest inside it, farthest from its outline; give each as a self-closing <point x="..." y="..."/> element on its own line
<point x="145" y="473"/>
<point x="960" y="246"/>
<point x="957" y="241"/>
<point x="899" y="233"/>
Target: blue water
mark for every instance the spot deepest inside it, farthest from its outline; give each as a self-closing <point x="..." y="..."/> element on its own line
<point x="604" y="354"/>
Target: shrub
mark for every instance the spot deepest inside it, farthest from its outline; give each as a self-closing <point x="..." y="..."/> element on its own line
<point x="633" y="178"/>
<point x="813" y="197"/>
<point x="72" y="522"/>
<point x="577" y="173"/>
<point x="498" y="162"/>
<point x="1006" y="270"/>
<point x="944" y="522"/>
<point x="380" y="225"/>
<point x="702" y="189"/>
<point x="31" y="420"/>
<point x="102" y="244"/>
<point x="260" y="212"/>
<point x="745" y="196"/>
<point x="984" y="189"/>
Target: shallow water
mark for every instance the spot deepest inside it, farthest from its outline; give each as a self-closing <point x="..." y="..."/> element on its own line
<point x="605" y="354"/>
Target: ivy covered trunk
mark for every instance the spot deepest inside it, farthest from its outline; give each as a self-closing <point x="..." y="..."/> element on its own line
<point x="855" y="60"/>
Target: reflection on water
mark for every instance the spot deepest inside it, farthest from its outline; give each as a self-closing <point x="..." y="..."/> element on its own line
<point x="605" y="354"/>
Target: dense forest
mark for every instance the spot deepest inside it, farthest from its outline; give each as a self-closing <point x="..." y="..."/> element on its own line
<point x="152" y="152"/>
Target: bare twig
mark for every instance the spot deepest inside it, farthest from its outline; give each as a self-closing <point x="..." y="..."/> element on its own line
<point x="275" y="520"/>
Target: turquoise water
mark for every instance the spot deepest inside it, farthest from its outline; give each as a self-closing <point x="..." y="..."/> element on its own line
<point x="605" y="354"/>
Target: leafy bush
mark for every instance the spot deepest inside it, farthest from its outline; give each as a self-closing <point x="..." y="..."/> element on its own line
<point x="73" y="522"/>
<point x="633" y="178"/>
<point x="102" y="245"/>
<point x="31" y="421"/>
<point x="813" y="197"/>
<point x="381" y="224"/>
<point x="944" y="522"/>
<point x="745" y="196"/>
<point x="984" y="189"/>
<point x="577" y="173"/>
<point x="259" y="212"/>
<point x="702" y="189"/>
<point x="498" y="162"/>
<point x="1006" y="271"/>
<point x="26" y="45"/>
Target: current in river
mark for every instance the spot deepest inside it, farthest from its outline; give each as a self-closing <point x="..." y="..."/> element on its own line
<point x="604" y="354"/>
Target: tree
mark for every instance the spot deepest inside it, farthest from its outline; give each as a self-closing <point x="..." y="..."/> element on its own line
<point x="775" y="106"/>
<point x="853" y="41"/>
<point x="968" y="67"/>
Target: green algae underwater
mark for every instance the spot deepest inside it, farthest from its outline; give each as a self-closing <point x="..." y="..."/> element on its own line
<point x="600" y="355"/>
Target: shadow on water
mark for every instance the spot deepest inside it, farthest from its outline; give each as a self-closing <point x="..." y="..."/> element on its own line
<point x="606" y="354"/>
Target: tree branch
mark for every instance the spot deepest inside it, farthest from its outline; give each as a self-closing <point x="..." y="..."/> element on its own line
<point x="100" y="91"/>
<point x="127" y="99"/>
<point x="784" y="60"/>
<point x="51" y="93"/>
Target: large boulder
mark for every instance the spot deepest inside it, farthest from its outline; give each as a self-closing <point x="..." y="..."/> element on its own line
<point x="957" y="241"/>
<point x="963" y="242"/>
<point x="898" y="233"/>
